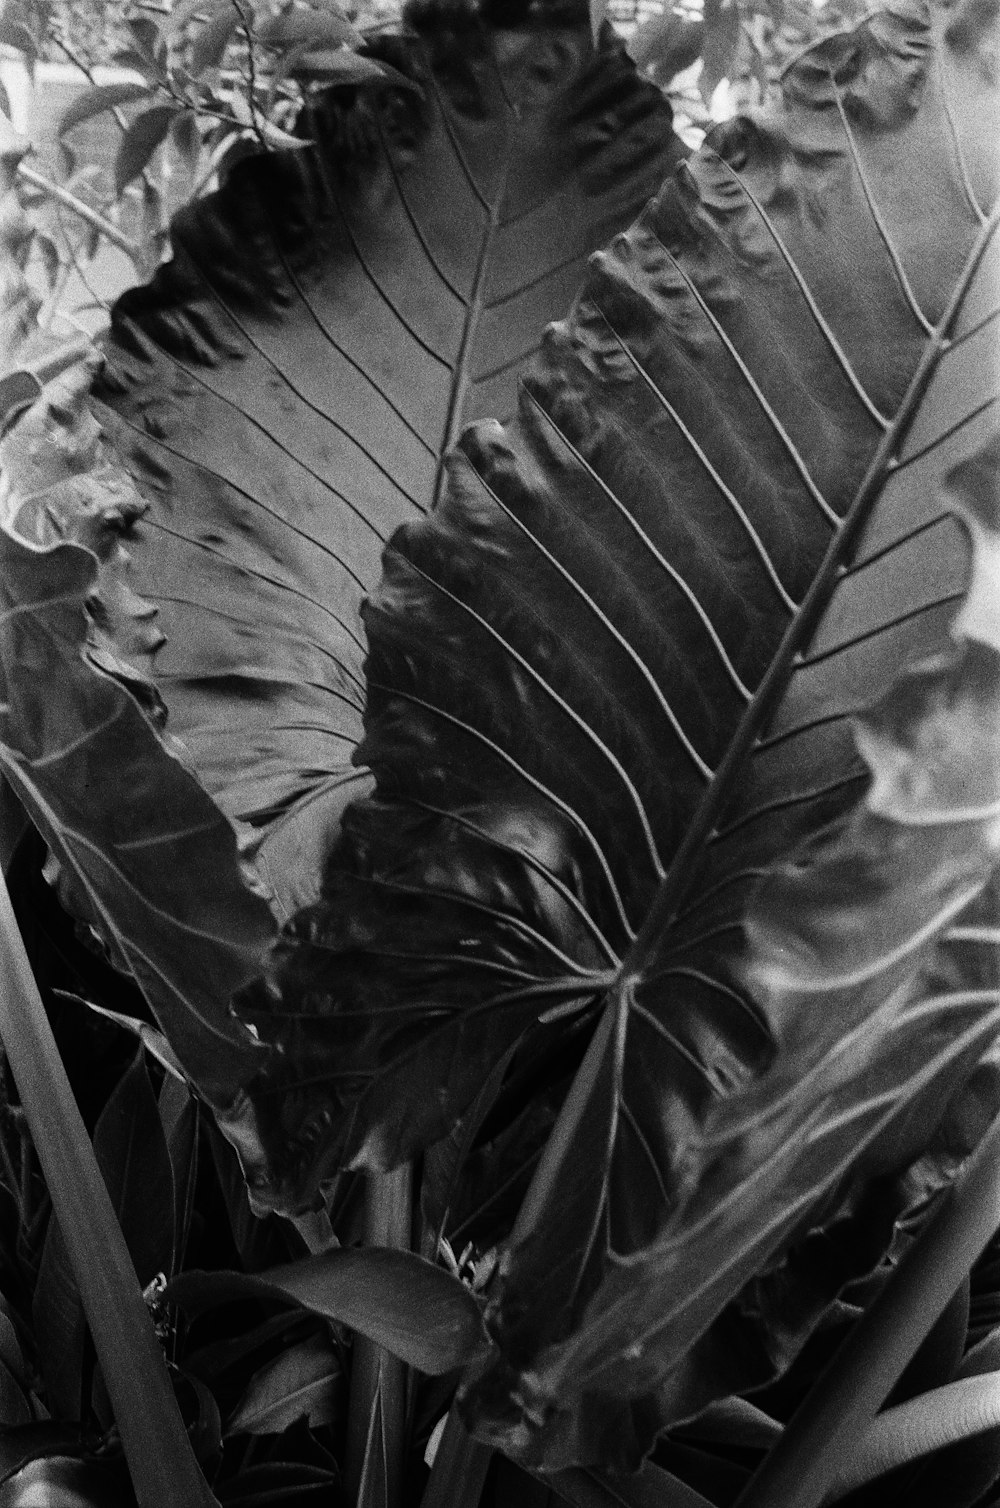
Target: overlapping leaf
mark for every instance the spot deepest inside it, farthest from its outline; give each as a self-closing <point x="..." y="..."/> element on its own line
<point x="285" y="388"/>
<point x="145" y="852"/>
<point x="559" y="659"/>
<point x="560" y="655"/>
<point x="281" y="395"/>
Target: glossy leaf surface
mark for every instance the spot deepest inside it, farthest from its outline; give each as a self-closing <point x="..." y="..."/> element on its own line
<point x="559" y="660"/>
<point x="284" y="390"/>
<point x="561" y="654"/>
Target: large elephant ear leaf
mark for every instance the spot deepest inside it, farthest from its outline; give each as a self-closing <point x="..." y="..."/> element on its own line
<point x="561" y="653"/>
<point x="561" y="657"/>
<point x="194" y="546"/>
<point x="144" y="852"/>
<point x="284" y="390"/>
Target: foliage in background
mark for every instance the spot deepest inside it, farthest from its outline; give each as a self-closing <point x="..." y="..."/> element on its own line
<point x="195" y="87"/>
<point x="200" y="84"/>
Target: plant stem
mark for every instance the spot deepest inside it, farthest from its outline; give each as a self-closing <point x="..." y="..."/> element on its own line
<point x="164" y="1471"/>
<point x="459" y="1469"/>
<point x="70" y="201"/>
<point x="251" y="71"/>
<point x="807" y="1459"/>
<point x="375" y="1460"/>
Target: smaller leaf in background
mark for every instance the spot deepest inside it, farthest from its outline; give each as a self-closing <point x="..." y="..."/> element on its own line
<point x="733" y="1422"/>
<point x="306" y="1381"/>
<point x="179" y="17"/>
<point x="153" y="234"/>
<point x="720" y="45"/>
<point x="97" y="99"/>
<point x="307" y="28"/>
<point x="148" y="45"/>
<point x="276" y="137"/>
<point x="340" y="66"/>
<point x="24" y="26"/>
<point x="211" y="1362"/>
<point x="664" y="45"/>
<point x="186" y="139"/>
<point x="413" y="1309"/>
<point x="153" y="1041"/>
<point x="209" y="46"/>
<point x="132" y="1155"/>
<point x="140" y="141"/>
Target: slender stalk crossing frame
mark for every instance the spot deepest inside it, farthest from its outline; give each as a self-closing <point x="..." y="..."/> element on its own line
<point x="376" y="1421"/>
<point x="164" y="1470"/>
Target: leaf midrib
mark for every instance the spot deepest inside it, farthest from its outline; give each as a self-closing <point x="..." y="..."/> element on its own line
<point x="460" y="384"/>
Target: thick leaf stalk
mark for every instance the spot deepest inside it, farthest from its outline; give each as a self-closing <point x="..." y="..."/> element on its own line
<point x="375" y="1462"/>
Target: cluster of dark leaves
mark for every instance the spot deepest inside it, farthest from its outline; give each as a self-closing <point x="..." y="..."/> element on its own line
<point x="261" y="1383"/>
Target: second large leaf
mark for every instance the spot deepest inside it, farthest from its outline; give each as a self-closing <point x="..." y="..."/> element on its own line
<point x="284" y="390"/>
<point x="561" y="654"/>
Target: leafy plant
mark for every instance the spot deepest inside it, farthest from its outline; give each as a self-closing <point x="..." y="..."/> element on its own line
<point x="199" y="85"/>
<point x="688" y="674"/>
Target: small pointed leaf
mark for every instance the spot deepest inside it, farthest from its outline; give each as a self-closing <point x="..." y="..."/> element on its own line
<point x="209" y="46"/>
<point x="305" y="1381"/>
<point x="310" y="28"/>
<point x="144" y="134"/>
<point x="413" y="1309"/>
<point x="98" y="98"/>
